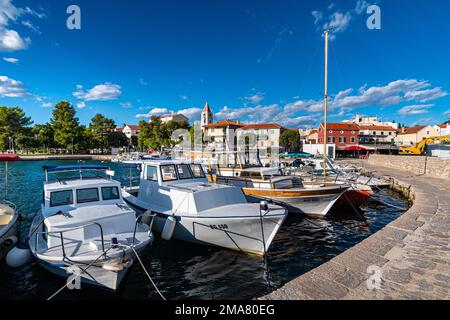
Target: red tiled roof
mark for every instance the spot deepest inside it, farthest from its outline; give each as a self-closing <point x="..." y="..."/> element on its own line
<point x="341" y="126"/>
<point x="262" y="126"/>
<point x="412" y="130"/>
<point x="442" y="126"/>
<point x="119" y="129"/>
<point x="133" y="127"/>
<point x="382" y="128"/>
<point x="224" y="124"/>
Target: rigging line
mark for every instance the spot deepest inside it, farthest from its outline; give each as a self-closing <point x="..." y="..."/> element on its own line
<point x="310" y="64"/>
<point x="79" y="275"/>
<point x="146" y="272"/>
<point x="338" y="69"/>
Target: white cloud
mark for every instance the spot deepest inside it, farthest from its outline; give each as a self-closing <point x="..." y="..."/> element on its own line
<point x="81" y="105"/>
<point x="255" y="98"/>
<point x="318" y="16"/>
<point x="415" y="109"/>
<point x="29" y="24"/>
<point x="447" y="113"/>
<point x="101" y="92"/>
<point x="143" y="82"/>
<point x="191" y="113"/>
<point x="126" y="105"/>
<point x="47" y="105"/>
<point x="11" y="60"/>
<point x="338" y="21"/>
<point x="11" y="88"/>
<point x="302" y="112"/>
<point x="424" y="121"/>
<point x="154" y="112"/>
<point x="184" y="97"/>
<point x="11" y="40"/>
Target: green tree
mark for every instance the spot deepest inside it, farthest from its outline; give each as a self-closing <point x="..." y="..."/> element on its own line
<point x="155" y="135"/>
<point x="290" y="140"/>
<point x="26" y="141"/>
<point x="99" y="129"/>
<point x="45" y="135"/>
<point x="13" y="122"/>
<point x="68" y="132"/>
<point x="117" y="140"/>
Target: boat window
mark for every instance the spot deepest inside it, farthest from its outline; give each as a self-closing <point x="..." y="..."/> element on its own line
<point x="197" y="170"/>
<point x="168" y="173"/>
<point x="152" y="173"/>
<point x="87" y="195"/>
<point x="61" y="198"/>
<point x="110" y="193"/>
<point x="184" y="172"/>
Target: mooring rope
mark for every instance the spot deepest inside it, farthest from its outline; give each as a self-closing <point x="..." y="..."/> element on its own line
<point x="146" y="272"/>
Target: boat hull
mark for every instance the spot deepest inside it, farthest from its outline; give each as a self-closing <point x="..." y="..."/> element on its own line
<point x="314" y="204"/>
<point x="94" y="276"/>
<point x="241" y="233"/>
<point x="355" y="198"/>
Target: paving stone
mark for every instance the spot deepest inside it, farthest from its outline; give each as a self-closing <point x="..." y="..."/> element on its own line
<point x="413" y="252"/>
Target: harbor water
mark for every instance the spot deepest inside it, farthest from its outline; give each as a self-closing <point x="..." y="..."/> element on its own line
<point x="187" y="271"/>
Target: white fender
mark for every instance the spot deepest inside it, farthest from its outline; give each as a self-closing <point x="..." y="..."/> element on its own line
<point x="169" y="227"/>
<point x="18" y="256"/>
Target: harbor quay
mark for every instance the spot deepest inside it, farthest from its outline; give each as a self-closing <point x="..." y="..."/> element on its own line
<point x="409" y="259"/>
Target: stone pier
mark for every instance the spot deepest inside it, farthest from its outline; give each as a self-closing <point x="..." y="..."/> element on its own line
<point x="412" y="254"/>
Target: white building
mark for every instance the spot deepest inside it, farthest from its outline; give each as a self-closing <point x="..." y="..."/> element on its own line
<point x="377" y="134"/>
<point x="129" y="131"/>
<point x="362" y="120"/>
<point x="443" y="129"/>
<point x="207" y="116"/>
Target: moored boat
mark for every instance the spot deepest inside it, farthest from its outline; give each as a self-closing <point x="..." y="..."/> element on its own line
<point x="309" y="198"/>
<point x="8" y="229"/>
<point x="84" y="228"/>
<point x="188" y="208"/>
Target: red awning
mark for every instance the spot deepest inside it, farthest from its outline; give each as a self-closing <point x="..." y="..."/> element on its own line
<point x="355" y="148"/>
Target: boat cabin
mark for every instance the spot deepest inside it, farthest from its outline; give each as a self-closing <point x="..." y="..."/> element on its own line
<point x="170" y="186"/>
<point x="89" y="205"/>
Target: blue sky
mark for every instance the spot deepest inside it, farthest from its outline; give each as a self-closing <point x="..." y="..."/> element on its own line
<point x="252" y="60"/>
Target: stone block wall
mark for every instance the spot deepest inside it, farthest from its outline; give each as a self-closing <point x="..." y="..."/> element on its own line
<point x="435" y="167"/>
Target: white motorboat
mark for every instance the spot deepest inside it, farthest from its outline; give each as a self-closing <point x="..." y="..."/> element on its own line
<point x="189" y="208"/>
<point x="8" y="229"/>
<point x="85" y="228"/>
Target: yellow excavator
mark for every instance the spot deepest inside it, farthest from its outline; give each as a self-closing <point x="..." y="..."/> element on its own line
<point x="420" y="148"/>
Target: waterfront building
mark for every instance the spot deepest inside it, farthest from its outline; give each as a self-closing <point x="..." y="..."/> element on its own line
<point x="343" y="135"/>
<point x="413" y="135"/>
<point x="129" y="131"/>
<point x="207" y="116"/>
<point x="443" y="129"/>
<point x="362" y="120"/>
<point x="377" y="135"/>
<point x="261" y="137"/>
<point x="222" y="135"/>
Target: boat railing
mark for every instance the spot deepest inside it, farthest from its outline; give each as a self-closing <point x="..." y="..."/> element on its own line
<point x="61" y="235"/>
<point x="139" y="220"/>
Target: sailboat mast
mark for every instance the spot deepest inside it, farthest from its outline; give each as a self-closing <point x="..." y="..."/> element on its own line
<point x="325" y="104"/>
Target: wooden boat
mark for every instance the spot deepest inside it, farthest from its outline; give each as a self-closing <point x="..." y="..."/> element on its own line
<point x="310" y="198"/>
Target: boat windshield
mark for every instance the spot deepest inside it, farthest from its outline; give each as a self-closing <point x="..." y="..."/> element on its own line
<point x="168" y="172"/>
<point x="197" y="171"/>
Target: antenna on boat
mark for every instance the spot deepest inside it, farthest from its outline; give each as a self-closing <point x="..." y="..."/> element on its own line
<point x="325" y="105"/>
